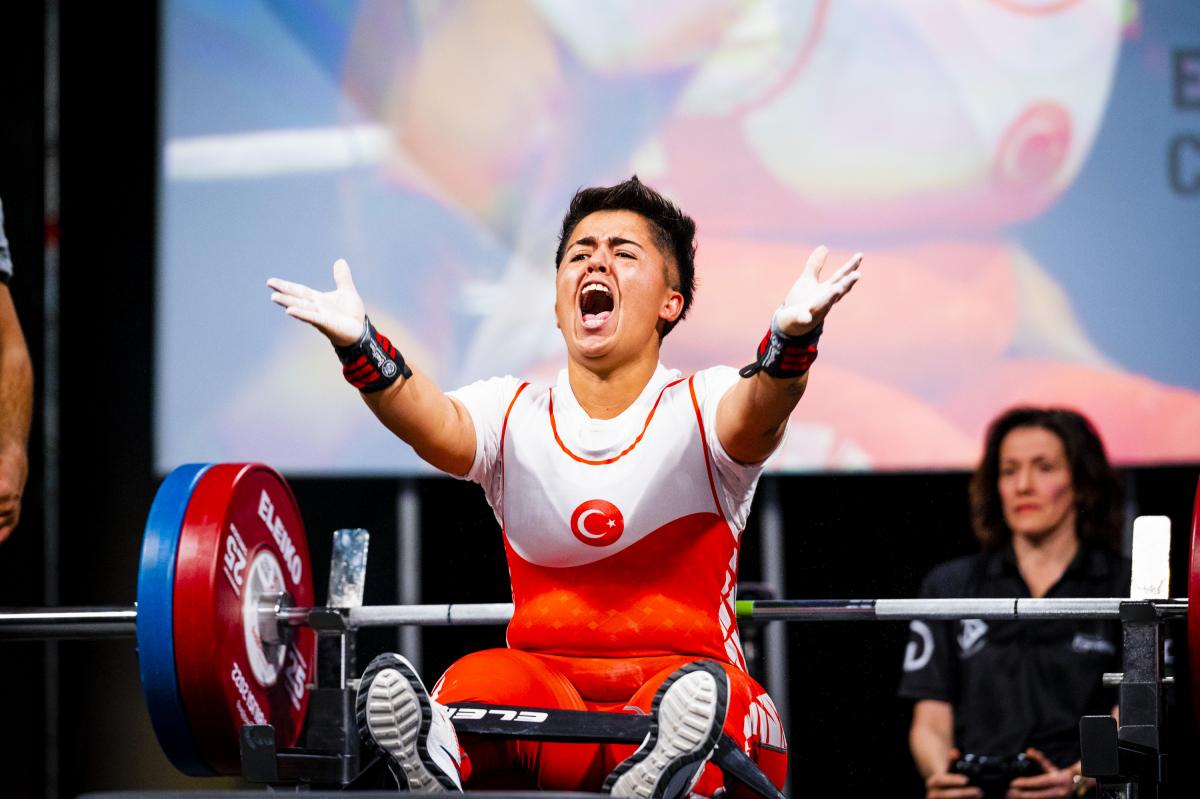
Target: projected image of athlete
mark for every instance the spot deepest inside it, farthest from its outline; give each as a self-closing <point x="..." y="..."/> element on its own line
<point x="621" y="491"/>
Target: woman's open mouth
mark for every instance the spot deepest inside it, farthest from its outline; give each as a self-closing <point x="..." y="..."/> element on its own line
<point x="595" y="305"/>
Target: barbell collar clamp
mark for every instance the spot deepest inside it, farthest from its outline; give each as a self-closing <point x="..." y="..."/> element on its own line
<point x="271" y="609"/>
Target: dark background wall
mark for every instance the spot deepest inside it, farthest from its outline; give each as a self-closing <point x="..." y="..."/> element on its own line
<point x="847" y="536"/>
<point x="21" y="557"/>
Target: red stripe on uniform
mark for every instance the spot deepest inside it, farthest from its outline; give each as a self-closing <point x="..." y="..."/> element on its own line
<point x="503" y="433"/>
<point x="712" y="484"/>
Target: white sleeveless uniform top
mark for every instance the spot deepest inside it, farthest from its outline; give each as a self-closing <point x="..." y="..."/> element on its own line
<point x="621" y="534"/>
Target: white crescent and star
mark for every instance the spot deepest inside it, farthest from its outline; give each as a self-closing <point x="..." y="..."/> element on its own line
<point x="609" y="527"/>
<point x="580" y="524"/>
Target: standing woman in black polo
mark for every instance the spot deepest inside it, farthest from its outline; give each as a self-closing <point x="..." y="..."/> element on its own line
<point x="1047" y="509"/>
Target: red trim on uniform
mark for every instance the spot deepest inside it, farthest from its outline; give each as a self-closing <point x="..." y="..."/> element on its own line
<point x="503" y="432"/>
<point x="624" y="452"/>
<point x="503" y="527"/>
<point x="712" y="484"/>
<point x="740" y="662"/>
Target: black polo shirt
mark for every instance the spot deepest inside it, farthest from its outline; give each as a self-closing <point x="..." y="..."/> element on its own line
<point x="1016" y="684"/>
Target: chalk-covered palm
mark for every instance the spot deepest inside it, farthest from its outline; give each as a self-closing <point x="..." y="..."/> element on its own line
<point x="810" y="298"/>
<point x="338" y="314"/>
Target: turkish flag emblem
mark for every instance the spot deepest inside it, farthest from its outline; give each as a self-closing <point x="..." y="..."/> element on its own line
<point x="597" y="523"/>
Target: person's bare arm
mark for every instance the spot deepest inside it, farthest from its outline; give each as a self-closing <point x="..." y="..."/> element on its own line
<point x="931" y="740"/>
<point x="16" y="411"/>
<point x="437" y="427"/>
<point x="931" y="736"/>
<point x="752" y="415"/>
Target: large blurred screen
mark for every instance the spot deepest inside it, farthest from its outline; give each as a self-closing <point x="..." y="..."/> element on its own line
<point x="1023" y="176"/>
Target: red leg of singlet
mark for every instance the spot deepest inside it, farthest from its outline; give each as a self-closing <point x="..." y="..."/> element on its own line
<point x="509" y="676"/>
<point x="512" y="677"/>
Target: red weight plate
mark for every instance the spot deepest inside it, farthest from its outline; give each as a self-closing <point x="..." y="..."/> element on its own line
<point x="1194" y="606"/>
<point x="242" y="536"/>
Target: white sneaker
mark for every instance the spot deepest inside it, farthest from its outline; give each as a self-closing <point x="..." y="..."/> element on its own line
<point x="414" y="734"/>
<point x="687" y="716"/>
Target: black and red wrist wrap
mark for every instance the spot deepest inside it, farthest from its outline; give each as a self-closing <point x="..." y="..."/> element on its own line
<point x="781" y="355"/>
<point x="371" y="364"/>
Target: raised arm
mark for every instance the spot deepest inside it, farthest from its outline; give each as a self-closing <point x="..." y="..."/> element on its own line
<point x="16" y="410"/>
<point x="753" y="414"/>
<point x="437" y="427"/>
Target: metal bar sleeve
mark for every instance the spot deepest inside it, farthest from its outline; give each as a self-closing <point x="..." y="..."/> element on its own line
<point x="43" y="623"/>
<point x="432" y="615"/>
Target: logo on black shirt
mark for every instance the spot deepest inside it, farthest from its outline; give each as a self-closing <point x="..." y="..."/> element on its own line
<point x="972" y="638"/>
<point x="1082" y="642"/>
<point x="919" y="649"/>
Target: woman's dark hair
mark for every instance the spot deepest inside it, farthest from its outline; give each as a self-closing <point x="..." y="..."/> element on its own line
<point x="1099" y="512"/>
<point x="674" y="231"/>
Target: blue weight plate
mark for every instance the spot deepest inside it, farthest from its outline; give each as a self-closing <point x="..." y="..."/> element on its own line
<point x="155" y="620"/>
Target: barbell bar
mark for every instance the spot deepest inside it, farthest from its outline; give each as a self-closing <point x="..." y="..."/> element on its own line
<point x="794" y="610"/>
<point x="119" y="622"/>
<point x="225" y="614"/>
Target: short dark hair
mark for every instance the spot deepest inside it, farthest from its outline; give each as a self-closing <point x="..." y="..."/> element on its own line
<point x="674" y="231"/>
<point x="1099" y="510"/>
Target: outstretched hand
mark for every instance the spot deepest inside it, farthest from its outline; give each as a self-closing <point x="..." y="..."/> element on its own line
<point x="338" y="314"/>
<point x="811" y="297"/>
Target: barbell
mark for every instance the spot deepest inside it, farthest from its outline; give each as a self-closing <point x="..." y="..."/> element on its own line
<point x="224" y="613"/>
